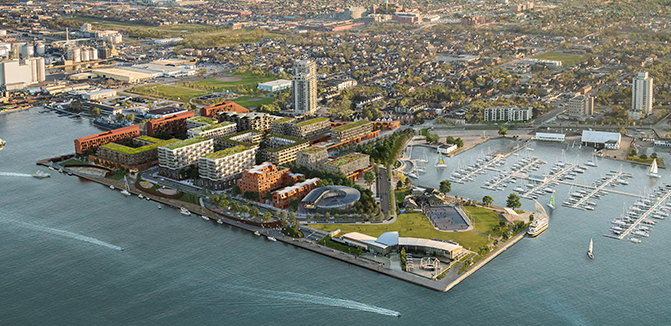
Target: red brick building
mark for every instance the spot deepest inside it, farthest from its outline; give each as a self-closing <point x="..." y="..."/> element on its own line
<point x="172" y="124"/>
<point x="211" y="111"/>
<point x="264" y="177"/>
<point x="91" y="143"/>
<point x="282" y="198"/>
<point x="388" y="125"/>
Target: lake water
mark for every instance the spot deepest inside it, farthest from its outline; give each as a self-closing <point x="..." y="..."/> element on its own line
<point x="59" y="263"/>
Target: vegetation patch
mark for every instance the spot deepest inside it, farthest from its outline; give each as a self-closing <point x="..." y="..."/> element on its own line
<point x="248" y="83"/>
<point x="566" y="59"/>
<point x="484" y="220"/>
<point x="168" y="92"/>
<point x="290" y="232"/>
<point x="326" y="241"/>
<point x="401" y="194"/>
<point x="248" y="103"/>
<point x="190" y="198"/>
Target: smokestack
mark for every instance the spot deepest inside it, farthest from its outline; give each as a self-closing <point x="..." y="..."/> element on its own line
<point x="67" y="34"/>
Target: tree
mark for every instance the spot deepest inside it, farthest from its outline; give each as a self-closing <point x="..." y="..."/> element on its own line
<point x="653" y="155"/>
<point x="399" y="184"/>
<point x="488" y="200"/>
<point x="369" y="177"/>
<point x="224" y="204"/>
<point x="234" y="207"/>
<point x="503" y="131"/>
<point x="267" y="216"/>
<point x="130" y="117"/>
<point x="284" y="215"/>
<point x="201" y="72"/>
<point x="95" y="112"/>
<point x="244" y="209"/>
<point x="294" y="222"/>
<point x="513" y="201"/>
<point x="317" y="216"/>
<point x="254" y="212"/>
<point x="75" y="106"/>
<point x="445" y="186"/>
<point x="119" y="117"/>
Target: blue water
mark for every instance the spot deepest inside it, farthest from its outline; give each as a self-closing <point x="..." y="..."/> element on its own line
<point x="59" y="264"/>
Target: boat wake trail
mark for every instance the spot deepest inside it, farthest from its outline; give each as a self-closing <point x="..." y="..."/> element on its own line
<point x="13" y="174"/>
<point x="63" y="233"/>
<point x="314" y="299"/>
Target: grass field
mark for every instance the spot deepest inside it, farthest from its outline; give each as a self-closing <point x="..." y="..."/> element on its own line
<point x="410" y="225"/>
<point x="247" y="80"/>
<point x="244" y="101"/>
<point x="484" y="220"/>
<point x="400" y="194"/>
<point x="566" y="59"/>
<point x="174" y="30"/>
<point x="168" y="92"/>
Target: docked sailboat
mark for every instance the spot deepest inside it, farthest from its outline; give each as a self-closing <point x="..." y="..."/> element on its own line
<point x="653" y="173"/>
<point x="590" y="253"/>
<point x="441" y="162"/>
<point x="421" y="163"/>
<point x="125" y="191"/>
<point x="551" y="204"/>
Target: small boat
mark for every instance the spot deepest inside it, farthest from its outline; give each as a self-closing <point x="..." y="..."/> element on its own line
<point x="257" y="233"/>
<point x="219" y="221"/>
<point x="271" y="238"/>
<point x="205" y="217"/>
<point x="635" y="240"/>
<point x="159" y="206"/>
<point x="140" y="196"/>
<point x="112" y="187"/>
<point x="125" y="192"/>
<point x="51" y="168"/>
<point x="41" y="175"/>
<point x="551" y="204"/>
<point x="641" y="233"/>
<point x="590" y="253"/>
<point x="412" y="175"/>
<point x="147" y="198"/>
<point x="653" y="173"/>
<point x="589" y="208"/>
<point x="184" y="211"/>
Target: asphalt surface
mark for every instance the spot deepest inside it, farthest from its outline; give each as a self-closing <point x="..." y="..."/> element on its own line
<point x="383" y="187"/>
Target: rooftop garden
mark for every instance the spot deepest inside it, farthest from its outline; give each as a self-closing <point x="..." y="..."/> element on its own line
<point x="228" y="139"/>
<point x="150" y="139"/>
<point x="131" y="151"/>
<point x="340" y="161"/>
<point x="283" y="120"/>
<point x="204" y="120"/>
<point x="311" y="121"/>
<point x="297" y="141"/>
<point x="225" y="152"/>
<point x="213" y="126"/>
<point x="351" y="125"/>
<point x="312" y="150"/>
<point x="188" y="142"/>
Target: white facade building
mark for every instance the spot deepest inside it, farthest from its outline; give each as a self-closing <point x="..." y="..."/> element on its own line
<point x="304" y="87"/>
<point x="641" y="95"/>
<point x="213" y="131"/>
<point x="182" y="154"/>
<point x="17" y="74"/>
<point x="580" y="107"/>
<point x="547" y="136"/>
<point x="507" y="113"/>
<point x="227" y="164"/>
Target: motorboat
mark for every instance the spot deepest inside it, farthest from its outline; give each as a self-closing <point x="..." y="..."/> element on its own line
<point x="590" y="252"/>
<point x="641" y="233"/>
<point x="125" y="192"/>
<point x="635" y="240"/>
<point x="112" y="187"/>
<point x="140" y="196"/>
<point x="257" y="233"/>
<point x="205" y="217"/>
<point x="184" y="211"/>
<point x="159" y="206"/>
<point x="271" y="238"/>
<point x="589" y="208"/>
<point x="51" y="168"/>
<point x="41" y="175"/>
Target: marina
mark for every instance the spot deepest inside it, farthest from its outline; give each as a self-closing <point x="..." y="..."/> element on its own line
<point x="634" y="221"/>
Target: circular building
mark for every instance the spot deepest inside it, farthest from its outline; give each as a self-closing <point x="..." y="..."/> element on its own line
<point x="331" y="198"/>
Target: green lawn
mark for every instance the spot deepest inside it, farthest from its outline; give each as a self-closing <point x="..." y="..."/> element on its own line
<point x="326" y="241"/>
<point x="247" y="80"/>
<point x="244" y="101"/>
<point x="566" y="59"/>
<point x="484" y="220"/>
<point x="400" y="194"/>
<point x="410" y="225"/>
<point x="72" y="161"/>
<point x="190" y="198"/>
<point x="168" y="92"/>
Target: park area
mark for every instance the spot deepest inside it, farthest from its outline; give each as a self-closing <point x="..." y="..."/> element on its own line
<point x="168" y="92"/>
<point x="415" y="225"/>
<point x="566" y="59"/>
<point x="245" y="82"/>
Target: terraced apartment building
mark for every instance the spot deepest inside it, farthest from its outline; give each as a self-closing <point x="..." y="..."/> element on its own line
<point x="176" y="156"/>
<point x="91" y="143"/>
<point x="282" y="198"/>
<point x="248" y="138"/>
<point x="351" y="131"/>
<point x="348" y="164"/>
<point x="219" y="169"/>
<point x="196" y="122"/>
<point x="266" y="176"/>
<point x="308" y="129"/>
<point x="247" y="121"/>
<point x="281" y="149"/>
<point x="312" y="157"/>
<point x="213" y="131"/>
<point x="131" y="158"/>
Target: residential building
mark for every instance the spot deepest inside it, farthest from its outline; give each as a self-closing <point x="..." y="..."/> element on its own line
<point x="281" y="126"/>
<point x="196" y="122"/>
<point x="15" y="74"/>
<point x="211" y="111"/>
<point x="219" y="169"/>
<point x="281" y="149"/>
<point x="266" y="176"/>
<point x="580" y="107"/>
<point x="304" y="87"/>
<point x="248" y="138"/>
<point x="90" y="144"/>
<point x="282" y="198"/>
<point x="174" y="157"/>
<point x="213" y="131"/>
<point x="352" y="165"/>
<point x="312" y="157"/>
<point x="171" y="124"/>
<point x="275" y="85"/>
<point x="386" y="124"/>
<point x="507" y="113"/>
<point x="309" y="129"/>
<point x="131" y="158"/>
<point x="247" y="121"/>
<point x="641" y="95"/>
<point x="350" y="131"/>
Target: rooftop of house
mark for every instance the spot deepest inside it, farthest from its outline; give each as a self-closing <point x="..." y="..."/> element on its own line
<point x="225" y="152"/>
<point x="351" y="125"/>
<point x="340" y="161"/>
<point x="188" y="142"/>
<point x="136" y="150"/>
<point x="213" y="126"/>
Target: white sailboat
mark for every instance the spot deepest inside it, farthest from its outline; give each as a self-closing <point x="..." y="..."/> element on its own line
<point x="653" y="170"/>
<point x="592" y="163"/>
<point x="421" y="163"/>
<point x="551" y="204"/>
<point x="441" y="162"/>
<point x="125" y="191"/>
<point x="590" y="254"/>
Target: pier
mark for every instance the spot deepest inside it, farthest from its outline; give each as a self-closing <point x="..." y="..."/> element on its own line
<point x="517" y="174"/>
<point x="652" y="209"/>
<point x="480" y="168"/>
<point x="578" y="205"/>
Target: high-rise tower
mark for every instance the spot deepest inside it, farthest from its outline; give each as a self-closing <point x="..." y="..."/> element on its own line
<point x="304" y="87"/>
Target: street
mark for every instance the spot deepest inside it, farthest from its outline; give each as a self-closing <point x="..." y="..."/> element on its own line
<point x="383" y="187"/>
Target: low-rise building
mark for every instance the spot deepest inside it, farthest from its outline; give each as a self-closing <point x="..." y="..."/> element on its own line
<point x="211" y="111"/>
<point x="171" y="124"/>
<point x="177" y="156"/>
<point x="308" y="129"/>
<point x="312" y="157"/>
<point x="601" y="139"/>
<point x="99" y="94"/>
<point x="132" y="158"/>
<point x="91" y="143"/>
<point x="196" y="122"/>
<point x="219" y="169"/>
<point x="274" y="85"/>
<point x="282" y="198"/>
<point x="507" y="113"/>
<point x="266" y="176"/>
<point x="248" y="138"/>
<point x="213" y="131"/>
<point x="348" y="164"/>
<point x="281" y="149"/>
<point x="548" y="136"/>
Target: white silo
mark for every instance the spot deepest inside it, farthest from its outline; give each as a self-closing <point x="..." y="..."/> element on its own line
<point x="41" y="75"/>
<point x="93" y="54"/>
<point x="85" y="54"/>
<point x="74" y="54"/>
<point x="5" y="49"/>
<point x="40" y="49"/>
<point x="26" y="50"/>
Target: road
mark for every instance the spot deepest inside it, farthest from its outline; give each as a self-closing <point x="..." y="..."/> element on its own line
<point x="383" y="187"/>
<point x="149" y="176"/>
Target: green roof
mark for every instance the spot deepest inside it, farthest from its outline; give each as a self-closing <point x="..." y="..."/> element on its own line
<point x="227" y="139"/>
<point x="340" y="161"/>
<point x="150" y="139"/>
<point x="190" y="141"/>
<point x="212" y="126"/>
<point x="204" y="120"/>
<point x="131" y="151"/>
<point x="351" y="125"/>
<point x="311" y="121"/>
<point x="283" y="120"/>
<point x="297" y="141"/>
<point x="225" y="152"/>
<point x="312" y="150"/>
